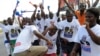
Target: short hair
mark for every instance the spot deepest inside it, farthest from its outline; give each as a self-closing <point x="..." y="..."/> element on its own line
<point x="68" y="12"/>
<point x="4" y="21"/>
<point x="9" y="18"/>
<point x="94" y="11"/>
<point x="82" y="4"/>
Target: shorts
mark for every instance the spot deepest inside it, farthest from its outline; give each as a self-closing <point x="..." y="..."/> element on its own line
<point x="13" y="44"/>
<point x="68" y="47"/>
<point x="33" y="51"/>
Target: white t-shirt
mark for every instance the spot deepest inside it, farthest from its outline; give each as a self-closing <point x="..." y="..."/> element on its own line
<point x="13" y="31"/>
<point x="53" y="38"/>
<point x="88" y="47"/>
<point x="69" y="29"/>
<point x="40" y="24"/>
<point x="24" y="39"/>
<point x="4" y="29"/>
<point x="35" y="37"/>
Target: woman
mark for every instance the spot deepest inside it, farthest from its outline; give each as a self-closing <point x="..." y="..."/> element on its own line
<point x="89" y="35"/>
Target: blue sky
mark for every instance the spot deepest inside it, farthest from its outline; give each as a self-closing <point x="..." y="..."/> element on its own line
<point x="7" y="6"/>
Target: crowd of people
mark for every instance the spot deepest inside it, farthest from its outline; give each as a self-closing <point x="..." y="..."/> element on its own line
<point x="74" y="33"/>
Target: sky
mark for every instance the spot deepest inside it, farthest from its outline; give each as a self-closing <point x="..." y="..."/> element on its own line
<point x="7" y="6"/>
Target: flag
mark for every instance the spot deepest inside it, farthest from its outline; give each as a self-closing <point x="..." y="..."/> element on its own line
<point x="18" y="13"/>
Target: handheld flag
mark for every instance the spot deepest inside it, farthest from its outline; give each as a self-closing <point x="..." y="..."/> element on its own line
<point x="18" y="13"/>
<point x="48" y="7"/>
<point x="17" y="4"/>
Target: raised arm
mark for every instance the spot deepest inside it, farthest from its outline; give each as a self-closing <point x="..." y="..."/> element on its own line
<point x="48" y="8"/>
<point x="14" y="11"/>
<point x="42" y="11"/>
<point x="34" y="13"/>
<point x="70" y="8"/>
<point x="13" y="15"/>
<point x="88" y="2"/>
<point x="20" y="23"/>
<point x="58" y="8"/>
<point x="95" y="3"/>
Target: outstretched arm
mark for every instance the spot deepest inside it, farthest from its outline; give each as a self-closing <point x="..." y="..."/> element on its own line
<point x="39" y="35"/>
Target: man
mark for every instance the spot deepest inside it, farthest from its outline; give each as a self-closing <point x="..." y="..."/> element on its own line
<point x="23" y="45"/>
<point x="80" y="14"/>
<point x="89" y="35"/>
<point x="4" y="29"/>
<point x="67" y="30"/>
<point x="12" y="32"/>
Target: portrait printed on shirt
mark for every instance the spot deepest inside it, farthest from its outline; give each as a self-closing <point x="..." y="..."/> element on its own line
<point x="14" y="33"/>
<point x="85" y="45"/>
<point x="68" y="32"/>
<point x="39" y="25"/>
<point x="54" y="43"/>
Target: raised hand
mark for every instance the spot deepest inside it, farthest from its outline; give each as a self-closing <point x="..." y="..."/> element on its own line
<point x="48" y="7"/>
<point x="33" y="4"/>
<point x="41" y="6"/>
<point x="87" y="25"/>
<point x="88" y="1"/>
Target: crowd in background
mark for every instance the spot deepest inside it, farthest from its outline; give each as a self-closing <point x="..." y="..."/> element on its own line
<point x="77" y="32"/>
